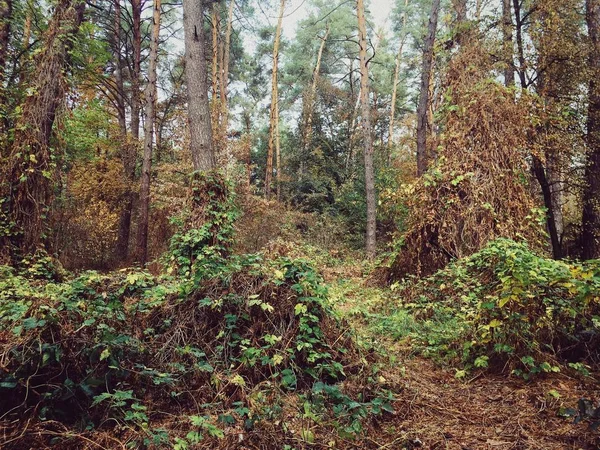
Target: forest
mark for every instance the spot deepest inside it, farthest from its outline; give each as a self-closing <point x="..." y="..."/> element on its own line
<point x="300" y="224"/>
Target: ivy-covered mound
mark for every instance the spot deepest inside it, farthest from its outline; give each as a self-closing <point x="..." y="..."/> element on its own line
<point x="199" y="356"/>
<point x="508" y="309"/>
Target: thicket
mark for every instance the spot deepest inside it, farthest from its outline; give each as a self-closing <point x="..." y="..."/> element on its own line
<point x="200" y="355"/>
<point x="477" y="189"/>
<point x="506" y="309"/>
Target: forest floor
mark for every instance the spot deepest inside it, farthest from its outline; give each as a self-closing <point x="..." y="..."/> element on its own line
<point x="434" y="408"/>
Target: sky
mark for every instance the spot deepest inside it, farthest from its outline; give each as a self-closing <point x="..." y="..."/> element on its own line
<point x="296" y="10"/>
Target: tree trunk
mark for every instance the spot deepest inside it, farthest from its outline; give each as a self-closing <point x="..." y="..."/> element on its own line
<point x="427" y="66"/>
<point x="591" y="198"/>
<point x="507" y="40"/>
<point x="196" y="77"/>
<point x="540" y="174"/>
<point x="366" y="127"/>
<point x="6" y="7"/>
<point x="274" y="114"/>
<point x="215" y="21"/>
<point x="521" y="71"/>
<point x="395" y="87"/>
<point x="30" y="167"/>
<point x="148" y="128"/>
<point x="278" y="158"/>
<point x="312" y="95"/>
<point x="225" y="75"/>
<point x="136" y="12"/>
<point x="120" y="94"/>
<point x="128" y="150"/>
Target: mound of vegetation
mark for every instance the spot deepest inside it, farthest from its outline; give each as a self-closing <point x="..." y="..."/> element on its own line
<point x="477" y="189"/>
<point x="199" y="356"/>
<point x="507" y="308"/>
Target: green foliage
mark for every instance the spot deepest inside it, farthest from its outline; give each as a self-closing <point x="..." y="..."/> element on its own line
<point x="129" y="345"/>
<point x="200" y="249"/>
<point x="507" y="307"/>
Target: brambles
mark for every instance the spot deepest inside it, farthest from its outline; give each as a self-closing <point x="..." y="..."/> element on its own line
<point x="512" y="310"/>
<point x="478" y="189"/>
<point x="223" y="342"/>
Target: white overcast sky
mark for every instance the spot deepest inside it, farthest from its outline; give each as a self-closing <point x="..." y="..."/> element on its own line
<point x="296" y="10"/>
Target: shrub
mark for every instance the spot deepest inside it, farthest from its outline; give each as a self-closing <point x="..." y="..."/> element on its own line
<point x="224" y="337"/>
<point x="517" y="310"/>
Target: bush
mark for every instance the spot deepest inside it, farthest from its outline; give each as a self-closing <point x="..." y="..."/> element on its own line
<point x="220" y="343"/>
<point x="514" y="309"/>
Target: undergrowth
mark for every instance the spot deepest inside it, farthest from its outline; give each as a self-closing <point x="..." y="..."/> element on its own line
<point x="224" y="341"/>
<point x="505" y="308"/>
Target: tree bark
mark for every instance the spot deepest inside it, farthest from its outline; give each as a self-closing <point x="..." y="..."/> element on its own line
<point x="120" y="87"/>
<point x="215" y="21"/>
<point x="225" y="75"/>
<point x="427" y="66"/>
<point x="521" y="70"/>
<point x="277" y="156"/>
<point x="395" y="87"/>
<point x="366" y="127"/>
<point x="312" y="95"/>
<point x="30" y="168"/>
<point x="6" y="8"/>
<point x="591" y="198"/>
<point x="201" y="144"/>
<point x="540" y="174"/>
<point x="507" y="40"/>
<point x="128" y="150"/>
<point x="136" y="12"/>
<point x="274" y="113"/>
<point x="148" y="129"/>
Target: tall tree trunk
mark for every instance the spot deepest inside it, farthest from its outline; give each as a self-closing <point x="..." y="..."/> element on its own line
<point x="507" y="41"/>
<point x="120" y="94"/>
<point x="30" y="167"/>
<point x="215" y="21"/>
<point x="426" y="72"/>
<point x="312" y="95"/>
<point x="521" y="70"/>
<point x="6" y="8"/>
<point x="148" y="129"/>
<point x="366" y="127"/>
<point x="196" y="77"/>
<point x="225" y="75"/>
<point x="274" y="114"/>
<point x="540" y="174"/>
<point x="591" y="198"/>
<point x="136" y="100"/>
<point x="396" y="78"/>
<point x="128" y="150"/>
<point x="278" y="157"/>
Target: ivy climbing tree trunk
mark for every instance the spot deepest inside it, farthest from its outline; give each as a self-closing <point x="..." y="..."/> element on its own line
<point x="31" y="166"/>
<point x="201" y="143"/>
<point x="6" y="8"/>
<point x="591" y="199"/>
<point x="148" y="134"/>
<point x="370" y="241"/>
<point x="274" y="113"/>
<point x="423" y="106"/>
